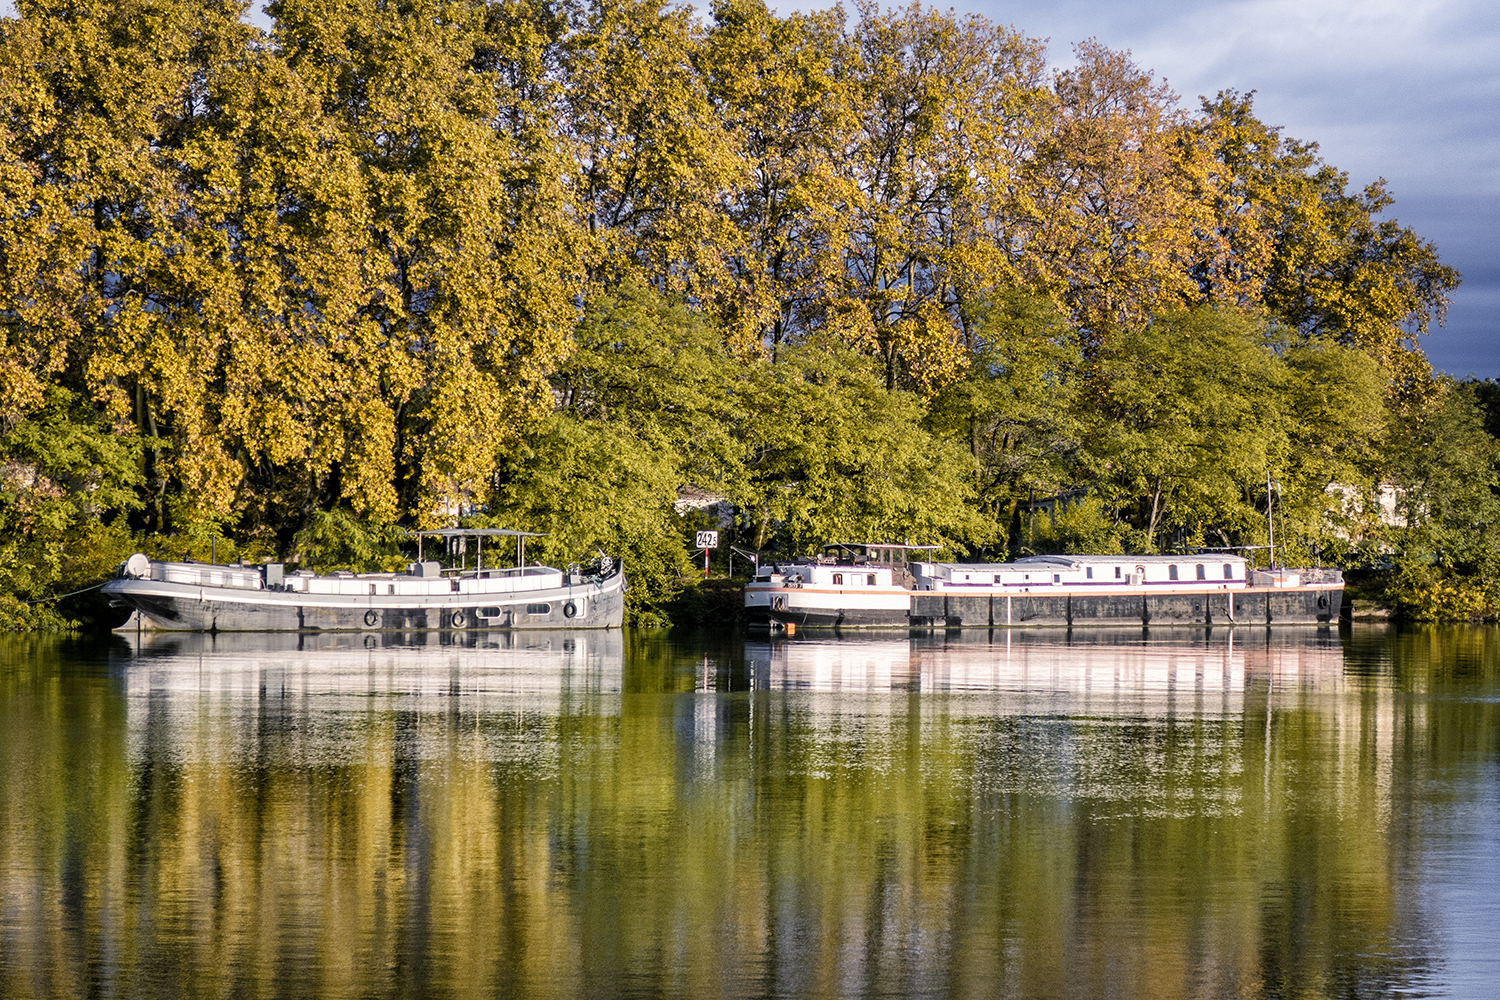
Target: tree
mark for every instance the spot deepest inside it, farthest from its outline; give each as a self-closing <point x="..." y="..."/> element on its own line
<point x="831" y="454"/>
<point x="1015" y="406"/>
<point x="652" y="158"/>
<point x="942" y="112"/>
<point x="1185" y="420"/>
<point x="66" y="483"/>
<point x="1446" y="471"/>
<point x="784" y="87"/>
<point x="1116" y="193"/>
<point x="646" y="404"/>
<point x="1334" y="271"/>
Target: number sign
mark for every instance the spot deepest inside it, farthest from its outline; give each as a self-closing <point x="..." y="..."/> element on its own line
<point x="708" y="540"/>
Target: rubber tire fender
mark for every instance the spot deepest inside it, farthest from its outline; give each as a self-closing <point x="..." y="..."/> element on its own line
<point x="458" y="619"/>
<point x="371" y="617"/>
<point x="570" y="610"/>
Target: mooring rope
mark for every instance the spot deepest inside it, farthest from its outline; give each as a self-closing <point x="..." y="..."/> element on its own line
<point x="58" y="597"/>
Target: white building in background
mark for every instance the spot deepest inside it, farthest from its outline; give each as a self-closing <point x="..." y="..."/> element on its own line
<point x="1383" y="506"/>
<point x="715" y="505"/>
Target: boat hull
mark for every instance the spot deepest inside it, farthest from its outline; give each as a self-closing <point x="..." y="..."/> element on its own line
<point x="1309" y="605"/>
<point x="827" y="607"/>
<point x="176" y="607"/>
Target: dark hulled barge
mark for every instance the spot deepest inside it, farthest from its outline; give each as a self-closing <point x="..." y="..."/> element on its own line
<point x="873" y="585"/>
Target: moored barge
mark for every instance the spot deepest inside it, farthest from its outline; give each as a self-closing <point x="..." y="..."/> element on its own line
<point x="863" y="585"/>
<point x="201" y="597"/>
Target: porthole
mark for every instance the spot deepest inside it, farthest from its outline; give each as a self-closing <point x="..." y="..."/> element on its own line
<point x="538" y="609"/>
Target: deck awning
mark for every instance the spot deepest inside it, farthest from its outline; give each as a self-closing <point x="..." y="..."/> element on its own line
<point x="479" y="533"/>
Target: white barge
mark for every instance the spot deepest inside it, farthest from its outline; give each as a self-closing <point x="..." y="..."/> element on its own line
<point x="201" y="597"/>
<point x="874" y="585"/>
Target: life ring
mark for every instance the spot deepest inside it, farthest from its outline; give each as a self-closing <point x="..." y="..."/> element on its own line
<point x="371" y="617"/>
<point x="458" y="619"/>
<point x="570" y="610"/>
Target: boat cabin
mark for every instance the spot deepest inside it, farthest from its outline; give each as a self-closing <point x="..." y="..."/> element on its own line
<point x="1213" y="570"/>
<point x="846" y="564"/>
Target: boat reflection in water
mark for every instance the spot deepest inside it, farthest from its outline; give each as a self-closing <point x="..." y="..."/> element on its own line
<point x="494" y="665"/>
<point x="1099" y="663"/>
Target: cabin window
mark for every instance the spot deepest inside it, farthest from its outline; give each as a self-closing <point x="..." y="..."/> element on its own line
<point x="1117" y="572"/>
<point x="1172" y="572"/>
<point x="1088" y="573"/>
<point x="391" y="589"/>
<point x="489" y="612"/>
<point x="538" y="609"/>
<point x="1228" y="572"/>
<point x="454" y="584"/>
<point x="870" y="580"/>
<point x="838" y="579"/>
<point x="1057" y="578"/>
<point x="1202" y="574"/>
<point x="372" y="590"/>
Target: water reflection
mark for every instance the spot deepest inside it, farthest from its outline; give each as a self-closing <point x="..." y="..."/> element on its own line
<point x="1128" y="663"/>
<point x="1035" y="814"/>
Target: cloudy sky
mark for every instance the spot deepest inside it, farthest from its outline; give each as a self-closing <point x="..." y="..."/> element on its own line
<point x="1408" y="91"/>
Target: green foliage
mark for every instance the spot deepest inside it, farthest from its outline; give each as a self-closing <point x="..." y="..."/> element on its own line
<point x="1185" y="419"/>
<point x="339" y="539"/>
<point x="1085" y="525"/>
<point x="870" y="278"/>
<point x="66" y="482"/>
<point x="1422" y="591"/>
<point x="1446" y="469"/>
<point x="1322" y="262"/>
<point x="597" y="486"/>
<point x="831" y="454"/>
<point x="1014" y="407"/>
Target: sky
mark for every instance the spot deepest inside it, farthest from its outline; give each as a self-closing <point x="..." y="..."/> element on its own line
<point x="1408" y="91"/>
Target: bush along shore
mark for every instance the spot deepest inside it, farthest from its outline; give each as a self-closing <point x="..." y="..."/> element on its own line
<point x="573" y="268"/>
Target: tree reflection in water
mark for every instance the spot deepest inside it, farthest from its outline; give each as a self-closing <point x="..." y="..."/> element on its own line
<point x="1195" y="813"/>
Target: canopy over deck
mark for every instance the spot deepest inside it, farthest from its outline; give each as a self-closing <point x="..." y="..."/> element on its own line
<point x="889" y="553"/>
<point x="480" y="534"/>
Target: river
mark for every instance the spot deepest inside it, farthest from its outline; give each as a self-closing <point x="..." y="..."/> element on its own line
<point x="1225" y="813"/>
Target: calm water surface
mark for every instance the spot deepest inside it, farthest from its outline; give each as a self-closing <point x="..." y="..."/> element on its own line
<point x="1192" y="814"/>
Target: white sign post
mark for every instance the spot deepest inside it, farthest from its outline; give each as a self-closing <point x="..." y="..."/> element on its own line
<point x="707" y="540"/>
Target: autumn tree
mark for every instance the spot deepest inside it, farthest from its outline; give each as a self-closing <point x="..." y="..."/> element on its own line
<point x="1116" y="195"/>
<point x="1319" y="258"/>
<point x="783" y="87"/>
<point x="942" y="106"/>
